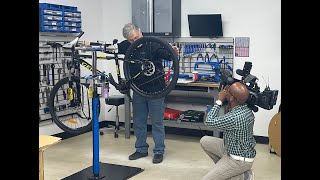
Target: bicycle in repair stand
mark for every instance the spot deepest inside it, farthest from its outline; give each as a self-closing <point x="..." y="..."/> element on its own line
<point x="74" y="101"/>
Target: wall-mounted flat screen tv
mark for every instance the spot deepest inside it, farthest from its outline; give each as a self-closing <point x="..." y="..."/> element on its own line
<point x="205" y="25"/>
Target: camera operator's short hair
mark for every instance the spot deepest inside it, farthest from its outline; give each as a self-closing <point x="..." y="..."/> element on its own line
<point x="128" y="29"/>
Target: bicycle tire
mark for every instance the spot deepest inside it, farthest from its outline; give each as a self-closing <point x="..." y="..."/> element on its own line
<point x="173" y="66"/>
<point x="76" y="112"/>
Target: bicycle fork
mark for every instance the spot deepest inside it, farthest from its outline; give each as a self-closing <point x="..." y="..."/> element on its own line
<point x="122" y="84"/>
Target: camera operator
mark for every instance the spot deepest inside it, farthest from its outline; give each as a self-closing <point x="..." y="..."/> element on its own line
<point x="233" y="155"/>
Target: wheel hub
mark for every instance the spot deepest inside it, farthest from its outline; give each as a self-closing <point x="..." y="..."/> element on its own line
<point x="149" y="68"/>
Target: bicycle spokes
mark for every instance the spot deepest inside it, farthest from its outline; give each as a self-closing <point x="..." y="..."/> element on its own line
<point x="153" y="73"/>
<point x="76" y="116"/>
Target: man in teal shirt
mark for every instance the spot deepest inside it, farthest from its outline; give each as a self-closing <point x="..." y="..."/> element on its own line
<point x="234" y="154"/>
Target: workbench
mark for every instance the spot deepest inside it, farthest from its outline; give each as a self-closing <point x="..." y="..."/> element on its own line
<point x="178" y="94"/>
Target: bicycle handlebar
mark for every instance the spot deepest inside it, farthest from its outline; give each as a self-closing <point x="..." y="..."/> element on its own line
<point x="71" y="44"/>
<point x="98" y="47"/>
<point x="79" y="35"/>
<point x="91" y="46"/>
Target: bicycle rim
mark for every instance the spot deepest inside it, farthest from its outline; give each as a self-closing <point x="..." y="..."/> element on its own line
<point x="151" y="66"/>
<point x="73" y="110"/>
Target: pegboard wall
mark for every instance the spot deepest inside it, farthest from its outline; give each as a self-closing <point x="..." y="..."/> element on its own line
<point x="205" y="56"/>
<point x="52" y="68"/>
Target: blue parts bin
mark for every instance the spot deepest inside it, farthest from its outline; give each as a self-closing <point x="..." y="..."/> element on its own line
<point x="59" y="18"/>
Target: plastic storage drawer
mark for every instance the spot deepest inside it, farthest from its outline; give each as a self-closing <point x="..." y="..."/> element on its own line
<point x="72" y="19"/>
<point x="52" y="12"/>
<point x="49" y="17"/>
<point x="72" y="24"/>
<point x="52" y="23"/>
<point x="72" y="29"/>
<point x="77" y="14"/>
<point x="53" y="28"/>
<point x="72" y="14"/>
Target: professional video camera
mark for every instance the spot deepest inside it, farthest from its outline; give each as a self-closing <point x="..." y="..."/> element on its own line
<point x="266" y="99"/>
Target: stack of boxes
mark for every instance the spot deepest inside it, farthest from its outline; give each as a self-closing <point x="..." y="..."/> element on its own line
<point x="59" y="18"/>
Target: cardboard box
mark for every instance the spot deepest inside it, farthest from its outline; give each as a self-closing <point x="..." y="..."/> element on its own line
<point x="44" y="142"/>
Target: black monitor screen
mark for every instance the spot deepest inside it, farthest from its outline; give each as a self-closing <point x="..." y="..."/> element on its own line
<point x="205" y="25"/>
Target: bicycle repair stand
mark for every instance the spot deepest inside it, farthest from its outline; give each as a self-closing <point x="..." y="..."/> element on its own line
<point x="100" y="170"/>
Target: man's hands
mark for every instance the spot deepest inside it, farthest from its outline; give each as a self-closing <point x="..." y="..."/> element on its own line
<point x="176" y="49"/>
<point x="222" y="94"/>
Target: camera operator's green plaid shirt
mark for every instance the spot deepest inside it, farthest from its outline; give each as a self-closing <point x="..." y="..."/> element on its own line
<point x="237" y="127"/>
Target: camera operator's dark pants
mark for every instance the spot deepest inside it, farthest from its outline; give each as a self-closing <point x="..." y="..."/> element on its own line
<point x="225" y="167"/>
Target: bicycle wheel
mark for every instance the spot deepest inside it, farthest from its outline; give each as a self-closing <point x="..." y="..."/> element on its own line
<point x="151" y="66"/>
<point x="70" y="107"/>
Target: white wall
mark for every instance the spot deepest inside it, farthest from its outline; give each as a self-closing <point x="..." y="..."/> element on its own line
<point x="116" y="13"/>
<point x="259" y="20"/>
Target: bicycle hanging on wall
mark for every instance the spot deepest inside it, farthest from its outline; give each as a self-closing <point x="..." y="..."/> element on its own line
<point x="148" y="62"/>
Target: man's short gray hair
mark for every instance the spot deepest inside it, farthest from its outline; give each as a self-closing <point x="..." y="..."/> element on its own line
<point x="128" y="29"/>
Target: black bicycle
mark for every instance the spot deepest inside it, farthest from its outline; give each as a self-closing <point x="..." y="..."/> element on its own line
<point x="151" y="69"/>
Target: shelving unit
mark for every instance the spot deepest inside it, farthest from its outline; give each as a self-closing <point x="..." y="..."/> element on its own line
<point x="189" y="98"/>
<point x="197" y="95"/>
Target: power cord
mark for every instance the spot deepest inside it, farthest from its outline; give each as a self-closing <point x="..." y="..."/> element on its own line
<point x="201" y="130"/>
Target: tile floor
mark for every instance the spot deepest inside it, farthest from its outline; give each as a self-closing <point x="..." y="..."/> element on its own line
<point x="184" y="158"/>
